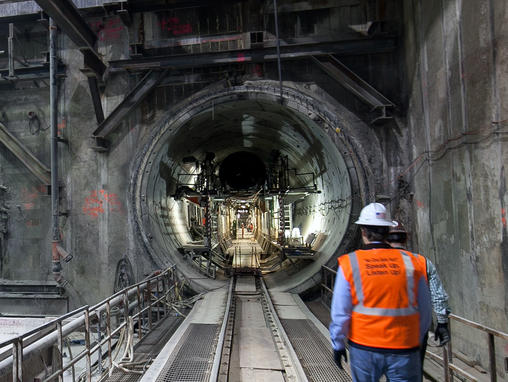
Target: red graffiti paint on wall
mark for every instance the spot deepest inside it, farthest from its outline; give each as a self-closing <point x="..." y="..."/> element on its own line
<point x="29" y="206"/>
<point x="112" y="200"/>
<point x="258" y="70"/>
<point x="107" y="30"/>
<point x="96" y="203"/>
<point x="419" y="204"/>
<point x="503" y="217"/>
<point x="29" y="194"/>
<point x="240" y="57"/>
<point x="173" y="25"/>
<point x="61" y="126"/>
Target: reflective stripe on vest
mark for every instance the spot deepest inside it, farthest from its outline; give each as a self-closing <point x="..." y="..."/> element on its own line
<point x="394" y="312"/>
<point x="420" y="259"/>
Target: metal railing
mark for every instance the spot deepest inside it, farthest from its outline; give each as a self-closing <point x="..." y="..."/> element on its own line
<point x="144" y="303"/>
<point x="491" y="334"/>
<point x="446" y="361"/>
<point x="327" y="283"/>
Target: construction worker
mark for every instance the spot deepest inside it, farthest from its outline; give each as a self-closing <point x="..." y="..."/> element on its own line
<point x="397" y="238"/>
<point x="381" y="304"/>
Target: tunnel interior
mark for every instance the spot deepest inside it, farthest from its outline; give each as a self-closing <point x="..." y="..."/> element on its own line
<point x="242" y="171"/>
<point x="245" y="160"/>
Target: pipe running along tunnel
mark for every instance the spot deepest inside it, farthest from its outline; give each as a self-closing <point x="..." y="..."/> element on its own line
<point x="239" y="155"/>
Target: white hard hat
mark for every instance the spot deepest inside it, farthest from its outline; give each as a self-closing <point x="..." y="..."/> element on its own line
<point x="374" y="214"/>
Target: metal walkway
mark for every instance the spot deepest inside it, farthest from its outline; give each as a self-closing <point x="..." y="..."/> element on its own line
<point x="236" y="333"/>
<point x="246" y="333"/>
<point x="245" y="253"/>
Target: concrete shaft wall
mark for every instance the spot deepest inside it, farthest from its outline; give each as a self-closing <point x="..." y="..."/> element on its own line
<point x="98" y="227"/>
<point x="456" y="60"/>
<point x="444" y="171"/>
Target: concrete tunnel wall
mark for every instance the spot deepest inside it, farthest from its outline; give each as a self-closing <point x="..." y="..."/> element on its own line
<point x="321" y="136"/>
<point x="99" y="225"/>
<point x="457" y="82"/>
<point x="250" y="117"/>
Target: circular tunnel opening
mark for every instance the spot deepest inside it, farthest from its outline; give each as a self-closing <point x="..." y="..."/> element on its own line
<point x="237" y="161"/>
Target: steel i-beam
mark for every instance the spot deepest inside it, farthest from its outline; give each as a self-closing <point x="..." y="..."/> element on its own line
<point x="67" y="17"/>
<point x="35" y="166"/>
<point x="135" y="96"/>
<point x="356" y="85"/>
<point x="287" y="52"/>
<point x="10" y="49"/>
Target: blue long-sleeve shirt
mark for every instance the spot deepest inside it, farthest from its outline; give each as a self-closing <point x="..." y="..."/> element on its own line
<point x="342" y="308"/>
<point x="438" y="295"/>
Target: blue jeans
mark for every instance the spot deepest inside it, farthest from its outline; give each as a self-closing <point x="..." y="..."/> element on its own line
<point x="369" y="366"/>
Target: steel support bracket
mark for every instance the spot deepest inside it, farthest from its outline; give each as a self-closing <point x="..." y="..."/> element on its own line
<point x="69" y="20"/>
<point x="135" y="96"/>
<point x="357" y="86"/>
<point x="100" y="144"/>
<point x="125" y="16"/>
<point x="36" y="167"/>
<point x="30" y="73"/>
<point x="92" y="60"/>
<point x="95" y="93"/>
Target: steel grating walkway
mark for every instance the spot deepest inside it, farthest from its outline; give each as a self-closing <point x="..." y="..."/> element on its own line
<point x="189" y="354"/>
<point x="206" y="348"/>
<point x="313" y="351"/>
<point x="192" y="359"/>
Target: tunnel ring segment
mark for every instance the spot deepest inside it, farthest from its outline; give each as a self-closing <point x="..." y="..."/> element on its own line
<point x="307" y="100"/>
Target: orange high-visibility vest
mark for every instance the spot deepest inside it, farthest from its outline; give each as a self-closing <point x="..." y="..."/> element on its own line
<point x="384" y="284"/>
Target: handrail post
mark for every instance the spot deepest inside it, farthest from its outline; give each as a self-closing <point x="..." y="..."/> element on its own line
<point x="99" y="350"/>
<point x="323" y="280"/>
<point x="17" y="364"/>
<point x="140" y="315"/>
<point x="166" y="293"/>
<point x="157" y="291"/>
<point x="60" y="350"/>
<point x="149" y="293"/>
<point x="162" y="295"/>
<point x="108" y="331"/>
<point x="87" y="346"/>
<point x="125" y="307"/>
<point x="450" y="352"/>
<point x="446" y="368"/>
<point x="492" y="358"/>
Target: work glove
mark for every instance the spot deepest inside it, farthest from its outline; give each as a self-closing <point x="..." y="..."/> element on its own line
<point x="338" y="355"/>
<point x="442" y="333"/>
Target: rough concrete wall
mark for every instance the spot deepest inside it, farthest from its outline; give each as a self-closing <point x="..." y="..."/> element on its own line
<point x="98" y="229"/>
<point x="28" y="205"/>
<point x="97" y="184"/>
<point x="94" y="188"/>
<point x="456" y="53"/>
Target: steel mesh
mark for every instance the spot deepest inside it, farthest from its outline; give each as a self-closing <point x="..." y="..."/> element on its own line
<point x="314" y="353"/>
<point x="192" y="359"/>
